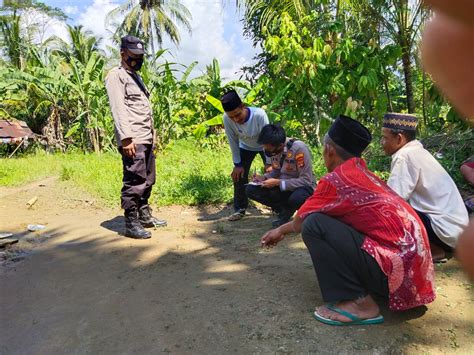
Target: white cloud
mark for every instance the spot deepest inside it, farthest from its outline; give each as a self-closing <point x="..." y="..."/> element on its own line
<point x="216" y="33"/>
<point x="57" y="28"/>
<point x="93" y="19"/>
<point x="71" y="10"/>
<point x="44" y="26"/>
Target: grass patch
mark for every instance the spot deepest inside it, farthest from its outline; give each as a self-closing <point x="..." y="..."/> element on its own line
<point x="19" y="171"/>
<point x="99" y="174"/>
<point x="189" y="175"/>
<point x="186" y="173"/>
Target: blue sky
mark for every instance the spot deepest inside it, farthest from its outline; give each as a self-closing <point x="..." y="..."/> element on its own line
<point x="216" y="32"/>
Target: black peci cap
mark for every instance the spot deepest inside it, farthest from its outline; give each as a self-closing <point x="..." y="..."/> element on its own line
<point x="350" y="135"/>
<point x="230" y="101"/>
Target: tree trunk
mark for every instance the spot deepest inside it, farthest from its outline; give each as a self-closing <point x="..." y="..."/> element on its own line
<point x="387" y="92"/>
<point x="93" y="136"/>
<point x="334" y="34"/>
<point x="404" y="40"/>
<point x="52" y="131"/>
<point x="407" y="70"/>
<point x="424" y="99"/>
<point x="318" y="124"/>
<point x="378" y="31"/>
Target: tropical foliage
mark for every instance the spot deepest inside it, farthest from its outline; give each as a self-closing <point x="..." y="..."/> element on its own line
<point x="319" y="58"/>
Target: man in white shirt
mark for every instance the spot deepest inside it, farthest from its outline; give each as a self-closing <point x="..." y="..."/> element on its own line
<point x="242" y="126"/>
<point x="419" y="179"/>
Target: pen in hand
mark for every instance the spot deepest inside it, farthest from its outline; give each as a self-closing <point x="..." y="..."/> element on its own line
<point x="254" y="176"/>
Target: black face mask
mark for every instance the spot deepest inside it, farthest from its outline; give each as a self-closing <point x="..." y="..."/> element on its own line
<point x="134" y="63"/>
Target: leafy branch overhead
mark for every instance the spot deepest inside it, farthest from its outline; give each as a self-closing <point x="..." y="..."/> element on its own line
<point x="318" y="58"/>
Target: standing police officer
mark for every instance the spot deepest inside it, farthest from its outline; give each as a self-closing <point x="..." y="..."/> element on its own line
<point x="133" y="118"/>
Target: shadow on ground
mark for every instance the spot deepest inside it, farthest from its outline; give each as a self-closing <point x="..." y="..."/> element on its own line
<point x="116" y="224"/>
<point x="195" y="287"/>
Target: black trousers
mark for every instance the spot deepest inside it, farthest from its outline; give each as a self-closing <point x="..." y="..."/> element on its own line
<point x="280" y="201"/>
<point x="434" y="239"/>
<point x="344" y="271"/>
<point x="139" y="175"/>
<point x="241" y="201"/>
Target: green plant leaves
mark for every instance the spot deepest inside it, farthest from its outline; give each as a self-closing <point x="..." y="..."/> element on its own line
<point x="215" y="103"/>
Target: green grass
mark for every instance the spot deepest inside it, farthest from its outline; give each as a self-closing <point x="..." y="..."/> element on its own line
<point x="17" y="172"/>
<point x="98" y="174"/>
<point x="189" y="175"/>
<point x="186" y="174"/>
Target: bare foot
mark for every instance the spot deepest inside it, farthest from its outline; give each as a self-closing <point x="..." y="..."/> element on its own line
<point x="364" y="308"/>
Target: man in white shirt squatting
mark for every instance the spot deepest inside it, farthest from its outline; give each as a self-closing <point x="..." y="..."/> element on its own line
<point x="419" y="179"/>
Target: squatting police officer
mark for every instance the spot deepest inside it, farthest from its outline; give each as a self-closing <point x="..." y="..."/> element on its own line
<point x="291" y="180"/>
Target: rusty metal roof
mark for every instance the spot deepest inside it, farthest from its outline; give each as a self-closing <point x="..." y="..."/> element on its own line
<point x="14" y="131"/>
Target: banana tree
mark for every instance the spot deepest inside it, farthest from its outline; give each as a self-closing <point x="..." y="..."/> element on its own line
<point x="92" y="120"/>
<point x="45" y="87"/>
<point x="173" y="96"/>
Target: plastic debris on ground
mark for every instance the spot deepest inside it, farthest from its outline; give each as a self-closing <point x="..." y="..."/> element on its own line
<point x="35" y="227"/>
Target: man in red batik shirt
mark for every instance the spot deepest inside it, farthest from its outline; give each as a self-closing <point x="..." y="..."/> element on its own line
<point x="363" y="238"/>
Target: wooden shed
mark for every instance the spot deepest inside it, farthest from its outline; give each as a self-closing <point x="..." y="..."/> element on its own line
<point x="14" y="132"/>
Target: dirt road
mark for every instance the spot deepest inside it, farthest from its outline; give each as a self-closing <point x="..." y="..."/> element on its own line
<point x="196" y="287"/>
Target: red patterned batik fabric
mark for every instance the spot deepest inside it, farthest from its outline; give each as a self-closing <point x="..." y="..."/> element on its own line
<point x="395" y="236"/>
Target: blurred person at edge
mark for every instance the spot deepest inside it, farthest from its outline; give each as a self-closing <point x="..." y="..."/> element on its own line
<point x="447" y="53"/>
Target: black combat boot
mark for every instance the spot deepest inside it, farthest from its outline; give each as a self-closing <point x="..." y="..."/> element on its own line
<point x="283" y="217"/>
<point x="133" y="227"/>
<point x="147" y="220"/>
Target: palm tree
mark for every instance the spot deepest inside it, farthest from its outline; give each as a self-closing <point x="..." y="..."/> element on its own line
<point x="12" y="40"/>
<point x="401" y="21"/>
<point x="151" y="20"/>
<point x="82" y="44"/>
